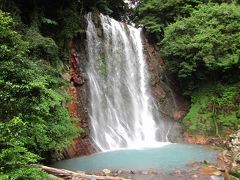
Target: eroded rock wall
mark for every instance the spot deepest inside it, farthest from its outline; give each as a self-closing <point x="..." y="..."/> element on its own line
<point x="79" y="91"/>
<point x="164" y="87"/>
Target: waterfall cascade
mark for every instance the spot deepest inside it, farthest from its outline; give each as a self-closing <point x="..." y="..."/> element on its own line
<point x="122" y="110"/>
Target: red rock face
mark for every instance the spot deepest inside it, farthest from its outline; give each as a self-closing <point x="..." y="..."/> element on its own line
<point x="78" y="109"/>
<point x="177" y="115"/>
<point x="164" y="87"/>
<point x="195" y="139"/>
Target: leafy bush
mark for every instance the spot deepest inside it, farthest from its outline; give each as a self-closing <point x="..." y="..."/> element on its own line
<point x="204" y="46"/>
<point x="15" y="159"/>
<point x="33" y="119"/>
<point x="42" y="48"/>
<point x="155" y="15"/>
<point x="213" y="109"/>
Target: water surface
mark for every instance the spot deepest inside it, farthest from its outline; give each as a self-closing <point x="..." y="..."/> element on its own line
<point x="165" y="159"/>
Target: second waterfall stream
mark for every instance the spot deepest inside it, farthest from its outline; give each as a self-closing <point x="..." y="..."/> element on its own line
<point x="123" y="113"/>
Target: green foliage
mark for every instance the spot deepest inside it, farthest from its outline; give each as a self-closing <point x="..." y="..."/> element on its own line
<point x="204" y="46"/>
<point x="58" y="22"/>
<point x="49" y="21"/>
<point x="26" y="173"/>
<point x="200" y="44"/>
<point x="235" y="173"/>
<point x="14" y="157"/>
<point x="213" y="109"/>
<point x="102" y="65"/>
<point x="115" y="8"/>
<point x="155" y="15"/>
<point x="44" y="48"/>
<point x="33" y="119"/>
<point x="102" y="5"/>
<point x="70" y="23"/>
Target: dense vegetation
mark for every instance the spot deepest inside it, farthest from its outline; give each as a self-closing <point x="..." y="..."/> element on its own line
<point x="199" y="41"/>
<point x="34" y="38"/>
<point x="33" y="120"/>
<point x="205" y="46"/>
<point x="214" y="109"/>
<point x="155" y="15"/>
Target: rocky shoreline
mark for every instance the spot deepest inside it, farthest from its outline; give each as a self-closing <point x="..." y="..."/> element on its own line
<point x="197" y="170"/>
<point x="229" y="151"/>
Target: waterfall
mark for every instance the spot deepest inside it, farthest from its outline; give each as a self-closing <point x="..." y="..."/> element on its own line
<point x="122" y="111"/>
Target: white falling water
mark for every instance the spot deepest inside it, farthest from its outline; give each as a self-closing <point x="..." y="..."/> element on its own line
<point x="121" y="106"/>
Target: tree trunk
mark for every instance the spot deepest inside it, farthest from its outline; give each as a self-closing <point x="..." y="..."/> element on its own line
<point x="66" y="174"/>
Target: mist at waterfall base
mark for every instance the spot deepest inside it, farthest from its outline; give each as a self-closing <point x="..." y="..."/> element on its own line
<point x="125" y="122"/>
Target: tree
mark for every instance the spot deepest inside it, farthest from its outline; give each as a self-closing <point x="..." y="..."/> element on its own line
<point x="155" y="15"/>
<point x="33" y="119"/>
<point x="204" y="46"/>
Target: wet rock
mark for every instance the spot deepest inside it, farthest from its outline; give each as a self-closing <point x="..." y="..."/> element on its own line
<point x="144" y="172"/>
<point x="210" y="170"/>
<point x="195" y="139"/>
<point x="106" y="171"/>
<point x="163" y="84"/>
<point x="177" y="172"/>
<point x="115" y="174"/>
<point x="234" y="146"/>
<point x="77" y="108"/>
<point x="194" y="176"/>
<point x="153" y="172"/>
<point x="191" y="164"/>
<point x="66" y="76"/>
<point x="230" y="158"/>
<point x="90" y="178"/>
<point x="177" y="115"/>
<point x="217" y="178"/>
